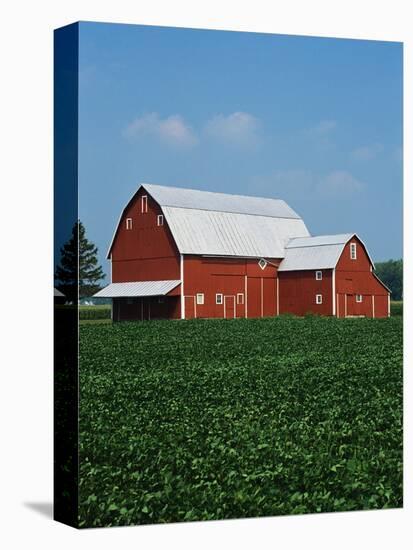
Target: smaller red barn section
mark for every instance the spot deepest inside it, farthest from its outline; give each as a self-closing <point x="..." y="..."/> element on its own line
<point x="183" y="253"/>
<point x="331" y="275"/>
<point x="359" y="292"/>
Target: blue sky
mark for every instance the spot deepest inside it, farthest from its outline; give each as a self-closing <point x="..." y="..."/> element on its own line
<point x="314" y="121"/>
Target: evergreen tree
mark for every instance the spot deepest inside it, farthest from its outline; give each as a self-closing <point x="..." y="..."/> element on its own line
<point x="78" y="266"/>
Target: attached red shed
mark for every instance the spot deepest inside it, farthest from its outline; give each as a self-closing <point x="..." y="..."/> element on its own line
<point x="183" y="253"/>
<point x="331" y="275"/>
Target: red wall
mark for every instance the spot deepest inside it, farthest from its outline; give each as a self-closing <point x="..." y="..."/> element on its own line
<point x="298" y="291"/>
<point x="229" y="277"/>
<point x="147" y="252"/>
<point x="355" y="277"/>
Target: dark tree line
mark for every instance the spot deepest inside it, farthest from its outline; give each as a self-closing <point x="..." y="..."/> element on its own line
<point x="391" y="273"/>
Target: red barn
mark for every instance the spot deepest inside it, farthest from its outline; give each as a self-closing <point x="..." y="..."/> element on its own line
<point x="182" y="254"/>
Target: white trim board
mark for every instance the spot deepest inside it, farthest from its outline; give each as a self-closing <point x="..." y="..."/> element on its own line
<point x="246" y="296"/>
<point x="182" y="287"/>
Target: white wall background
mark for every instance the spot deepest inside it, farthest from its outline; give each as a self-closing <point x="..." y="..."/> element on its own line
<point x="26" y="275"/>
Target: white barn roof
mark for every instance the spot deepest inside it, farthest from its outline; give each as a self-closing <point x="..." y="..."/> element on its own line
<point x="321" y="252"/>
<point x="137" y="289"/>
<point x="209" y="232"/>
<point x="219" y="224"/>
<point x="195" y="199"/>
<point x="322" y="240"/>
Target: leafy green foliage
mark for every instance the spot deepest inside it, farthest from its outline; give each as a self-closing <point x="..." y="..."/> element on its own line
<point x="211" y="419"/>
<point x="391" y="273"/>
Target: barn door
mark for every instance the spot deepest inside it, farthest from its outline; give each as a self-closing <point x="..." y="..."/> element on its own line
<point x="254" y="296"/>
<point x="355" y="308"/>
<point x="269" y="303"/>
<point x="229" y="307"/>
<point x="190" y="307"/>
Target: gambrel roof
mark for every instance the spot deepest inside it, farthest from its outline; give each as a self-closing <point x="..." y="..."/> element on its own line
<point x="219" y="224"/>
<point x="194" y="199"/>
<point x="321" y="252"/>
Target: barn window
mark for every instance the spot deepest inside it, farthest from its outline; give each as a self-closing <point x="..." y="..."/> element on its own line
<point x="353" y="251"/>
<point x="129" y="301"/>
<point x="200" y="299"/>
<point x="318" y="275"/>
<point x="144" y="204"/>
<point x="218" y="299"/>
<point x="262" y="263"/>
<point x="160" y="219"/>
<point x="359" y="298"/>
<point x="128" y="223"/>
<point x="318" y="299"/>
<point x="240" y="298"/>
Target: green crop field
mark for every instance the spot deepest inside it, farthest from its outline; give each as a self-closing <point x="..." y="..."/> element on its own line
<point x="396" y="308"/>
<point x="94" y="313"/>
<point x="197" y="420"/>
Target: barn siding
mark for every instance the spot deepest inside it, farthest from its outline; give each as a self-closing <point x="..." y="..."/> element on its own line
<point x="298" y="291"/>
<point x="147" y="252"/>
<point x="362" y="263"/>
<point x="229" y="277"/>
<point x="382" y="306"/>
<point x="355" y="277"/>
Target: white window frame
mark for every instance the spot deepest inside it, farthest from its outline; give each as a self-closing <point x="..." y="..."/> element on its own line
<point x="240" y="299"/>
<point x="319" y="275"/>
<point x="129" y="224"/>
<point x="200" y="299"/>
<point x="263" y="263"/>
<point x="219" y="299"/>
<point x="160" y="220"/>
<point x="144" y="204"/>
<point x="359" y="298"/>
<point x="318" y="299"/>
<point x="353" y="251"/>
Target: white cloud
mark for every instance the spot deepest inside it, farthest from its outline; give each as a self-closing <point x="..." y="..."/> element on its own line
<point x="367" y="152"/>
<point x="305" y="184"/>
<point x="320" y="137"/>
<point x="339" y="183"/>
<point x="172" y="130"/>
<point x="237" y="129"/>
